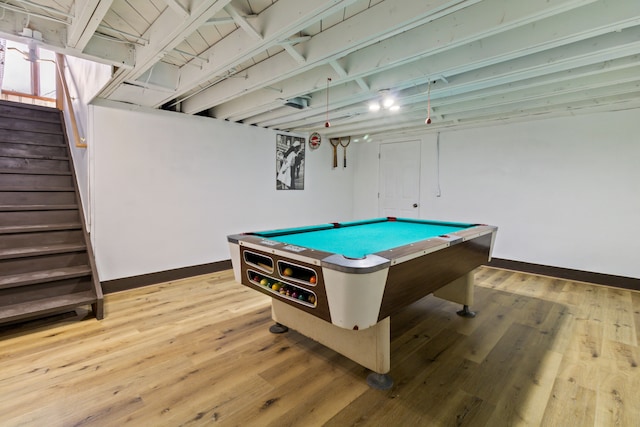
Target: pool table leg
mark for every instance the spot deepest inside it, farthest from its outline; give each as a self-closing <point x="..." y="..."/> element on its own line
<point x="465" y="312"/>
<point x="461" y="292"/>
<point x="278" y="328"/>
<point x="379" y="381"/>
<point x="369" y="347"/>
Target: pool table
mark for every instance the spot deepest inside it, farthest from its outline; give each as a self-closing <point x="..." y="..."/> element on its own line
<point x="339" y="283"/>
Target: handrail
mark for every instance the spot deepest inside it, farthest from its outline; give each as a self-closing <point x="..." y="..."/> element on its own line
<point x="79" y="141"/>
<point x="27" y="95"/>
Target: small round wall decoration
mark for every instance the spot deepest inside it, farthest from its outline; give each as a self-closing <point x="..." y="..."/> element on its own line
<point x="314" y="140"/>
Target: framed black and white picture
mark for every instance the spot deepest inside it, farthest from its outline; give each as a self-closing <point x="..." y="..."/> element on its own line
<point x="289" y="162"/>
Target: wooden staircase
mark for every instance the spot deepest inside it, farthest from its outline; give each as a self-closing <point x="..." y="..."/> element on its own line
<point x="46" y="261"/>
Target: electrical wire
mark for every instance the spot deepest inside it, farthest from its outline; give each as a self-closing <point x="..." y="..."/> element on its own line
<point x="428" y="119"/>
<point x="438" y="191"/>
<point x="327" y="124"/>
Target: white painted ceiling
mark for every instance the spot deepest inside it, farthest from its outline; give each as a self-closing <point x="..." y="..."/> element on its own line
<point x="472" y="61"/>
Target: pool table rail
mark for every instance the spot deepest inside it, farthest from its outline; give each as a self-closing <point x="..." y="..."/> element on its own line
<point x="414" y="279"/>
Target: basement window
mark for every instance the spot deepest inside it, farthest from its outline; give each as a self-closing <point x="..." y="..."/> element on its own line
<point x="27" y="73"/>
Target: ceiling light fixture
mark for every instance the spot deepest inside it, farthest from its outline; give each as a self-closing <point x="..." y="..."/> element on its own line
<point x="386" y="101"/>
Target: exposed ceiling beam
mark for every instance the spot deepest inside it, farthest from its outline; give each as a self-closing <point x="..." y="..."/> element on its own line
<point x="242" y="22"/>
<point x="277" y="22"/>
<point x="162" y="40"/>
<point x="106" y="51"/>
<point x="483" y="60"/>
<point x="225" y="20"/>
<point x="53" y="33"/>
<point x="413" y="120"/>
<point x="383" y="20"/>
<point x="288" y="46"/>
<point x="41" y="7"/>
<point x="442" y="33"/>
<point x="178" y="8"/>
<point x="89" y="15"/>
<point x="517" y="42"/>
<point x="339" y="69"/>
<point x="589" y="81"/>
<point x="517" y="80"/>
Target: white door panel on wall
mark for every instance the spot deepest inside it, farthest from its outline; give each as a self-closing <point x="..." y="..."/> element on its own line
<point x="399" y="181"/>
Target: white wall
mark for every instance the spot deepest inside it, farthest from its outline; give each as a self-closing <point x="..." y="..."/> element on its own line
<point x="168" y="188"/>
<point x="564" y="192"/>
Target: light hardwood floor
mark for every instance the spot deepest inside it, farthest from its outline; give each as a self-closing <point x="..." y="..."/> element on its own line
<point x="197" y="352"/>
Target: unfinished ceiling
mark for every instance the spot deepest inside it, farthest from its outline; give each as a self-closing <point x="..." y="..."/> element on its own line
<point x="296" y="64"/>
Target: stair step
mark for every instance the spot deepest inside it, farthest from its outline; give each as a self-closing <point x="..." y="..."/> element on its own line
<point x="33" y="164"/>
<point x="18" y="110"/>
<point x="25" y="279"/>
<point x="50" y="305"/>
<point x="28" y="149"/>
<point x="32" y="156"/>
<point x="35" y="171"/>
<point x="32" y="188"/>
<point x="13" y="208"/>
<point x="19" y="198"/>
<point x="35" y="138"/>
<point x="41" y="250"/>
<point x="9" y="229"/>
<point x="42" y="238"/>
<point x="27" y="180"/>
<point x="21" y="154"/>
<point x="16" y="138"/>
<point x="30" y="125"/>
<point x="28" y="116"/>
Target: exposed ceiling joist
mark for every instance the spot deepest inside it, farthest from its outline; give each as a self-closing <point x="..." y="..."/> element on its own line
<point x="242" y="22"/>
<point x="244" y="61"/>
<point x="166" y="32"/>
<point x="402" y="49"/>
<point x="370" y="26"/>
<point x="178" y="8"/>
<point x="89" y="15"/>
<point x="278" y="22"/>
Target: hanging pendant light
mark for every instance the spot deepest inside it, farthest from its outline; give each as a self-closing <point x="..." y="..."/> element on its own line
<point x="428" y="119"/>
<point x="327" y="124"/>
